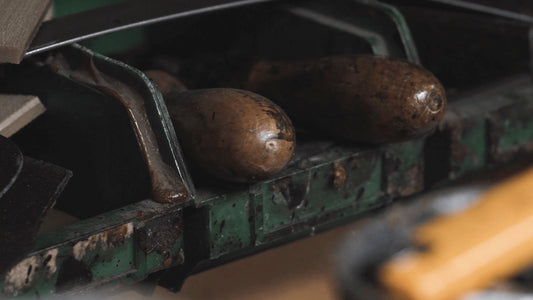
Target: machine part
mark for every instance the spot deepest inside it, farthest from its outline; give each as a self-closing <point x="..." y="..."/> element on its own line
<point x="23" y="207"/>
<point x="11" y="162"/>
<point x="375" y="240"/>
<point x="112" y="18"/>
<point x="125" y="244"/>
<point x="235" y="135"/>
<point x="169" y="184"/>
<point x="468" y="250"/>
<point x="230" y="222"/>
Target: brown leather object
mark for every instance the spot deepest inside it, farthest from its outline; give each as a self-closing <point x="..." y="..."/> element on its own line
<point x="232" y="134"/>
<point x="361" y="98"/>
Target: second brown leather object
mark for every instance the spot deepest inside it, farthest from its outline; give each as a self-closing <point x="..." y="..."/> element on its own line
<point x="357" y="98"/>
<point x="232" y="134"/>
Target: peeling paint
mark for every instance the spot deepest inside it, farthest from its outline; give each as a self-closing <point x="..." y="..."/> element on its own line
<point x="19" y="277"/>
<point x="339" y="175"/>
<point x="22" y="275"/>
<point x="80" y="249"/>
<point x="109" y="238"/>
<point x="52" y="265"/>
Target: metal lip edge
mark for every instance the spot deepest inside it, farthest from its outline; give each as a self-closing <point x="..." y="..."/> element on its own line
<point x="144" y="86"/>
<point x="59" y="43"/>
<point x="170" y="138"/>
<point x="487" y="9"/>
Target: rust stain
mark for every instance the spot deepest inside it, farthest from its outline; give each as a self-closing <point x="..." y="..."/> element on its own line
<point x="160" y="236"/>
<point x="339" y="175"/>
<point x="458" y="150"/>
<point x="107" y="239"/>
<point x="414" y="182"/>
<point x="281" y="185"/>
<point x="118" y="235"/>
<point x="175" y="260"/>
<point x="292" y="193"/>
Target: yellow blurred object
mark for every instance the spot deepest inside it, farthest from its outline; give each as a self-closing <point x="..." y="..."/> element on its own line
<point x="469" y="250"/>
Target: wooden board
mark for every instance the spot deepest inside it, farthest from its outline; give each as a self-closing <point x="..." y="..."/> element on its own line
<point x="16" y="111"/>
<point x="19" y="21"/>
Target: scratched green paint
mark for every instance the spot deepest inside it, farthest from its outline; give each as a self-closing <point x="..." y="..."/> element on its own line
<point x="321" y="196"/>
<point x="515" y="132"/>
<point x="111" y="261"/>
<point x="403" y="159"/>
<point x="473" y="141"/>
<point x="269" y="213"/>
<point x="229" y="224"/>
<point x="373" y="195"/>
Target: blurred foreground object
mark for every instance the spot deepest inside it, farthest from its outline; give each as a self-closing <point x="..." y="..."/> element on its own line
<point x="469" y="250"/>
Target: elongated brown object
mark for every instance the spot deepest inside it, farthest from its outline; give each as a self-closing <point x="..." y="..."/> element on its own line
<point x="232" y="134"/>
<point x="368" y="99"/>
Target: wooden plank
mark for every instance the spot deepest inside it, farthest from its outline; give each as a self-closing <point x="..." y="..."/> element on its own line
<point x="19" y="21"/>
<point x="16" y="111"/>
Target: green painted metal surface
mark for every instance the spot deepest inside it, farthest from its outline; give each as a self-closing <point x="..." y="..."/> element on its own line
<point x="98" y="250"/>
<point x="312" y="193"/>
<point x="319" y="188"/>
<point x="229" y="223"/>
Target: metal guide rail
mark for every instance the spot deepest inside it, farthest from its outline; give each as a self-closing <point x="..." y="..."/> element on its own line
<point x="123" y="236"/>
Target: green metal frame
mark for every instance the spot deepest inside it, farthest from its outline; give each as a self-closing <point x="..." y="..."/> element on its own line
<point x="120" y="245"/>
<point x="319" y="189"/>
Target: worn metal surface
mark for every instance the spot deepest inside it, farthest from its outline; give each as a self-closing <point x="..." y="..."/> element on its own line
<point x="99" y="250"/>
<point x="404" y="169"/>
<point x="324" y="184"/>
<point x="484" y="128"/>
<point x="22" y="209"/>
<point x="339" y="183"/>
